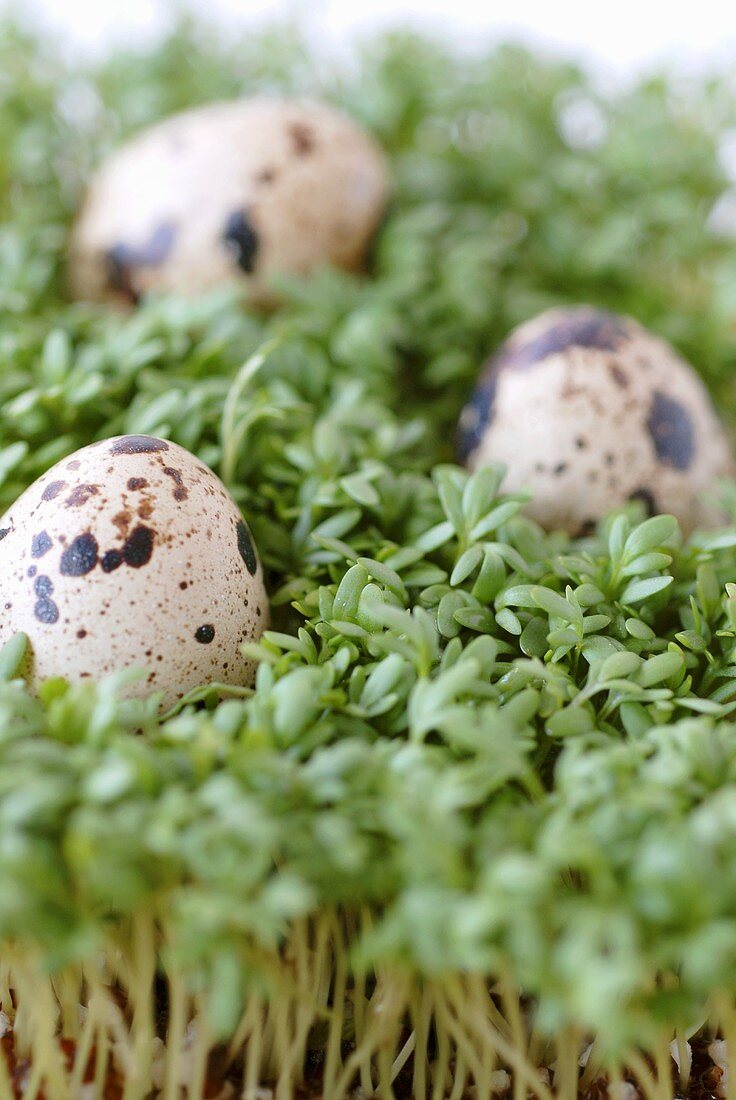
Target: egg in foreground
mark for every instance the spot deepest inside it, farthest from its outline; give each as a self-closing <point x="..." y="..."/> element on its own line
<point x="236" y="190"/>
<point x="131" y="553"/>
<point x="590" y="410"/>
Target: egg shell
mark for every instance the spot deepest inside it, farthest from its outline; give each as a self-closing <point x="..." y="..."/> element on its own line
<point x="590" y="410"/>
<point x="235" y="190"/>
<point x="131" y="553"/>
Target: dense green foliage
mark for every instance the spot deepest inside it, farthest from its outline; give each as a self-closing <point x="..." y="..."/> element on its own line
<point x="513" y="747"/>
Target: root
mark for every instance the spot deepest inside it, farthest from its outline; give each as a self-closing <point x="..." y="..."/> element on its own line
<point x="310" y="1019"/>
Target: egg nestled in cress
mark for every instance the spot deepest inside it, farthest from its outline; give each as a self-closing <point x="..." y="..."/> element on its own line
<point x="590" y="410"/>
<point x="130" y="553"/>
<point x="236" y="190"/>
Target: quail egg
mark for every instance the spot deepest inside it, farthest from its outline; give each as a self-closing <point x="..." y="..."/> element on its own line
<point x="131" y="553"/>
<point x="590" y="410"/>
<point x="247" y="189"/>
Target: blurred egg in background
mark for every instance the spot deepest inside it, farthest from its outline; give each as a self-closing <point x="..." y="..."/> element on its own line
<point x="616" y="45"/>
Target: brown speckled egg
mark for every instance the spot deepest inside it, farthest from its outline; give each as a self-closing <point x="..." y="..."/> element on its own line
<point x="131" y="554"/>
<point x="589" y="410"/>
<point x="239" y="190"/>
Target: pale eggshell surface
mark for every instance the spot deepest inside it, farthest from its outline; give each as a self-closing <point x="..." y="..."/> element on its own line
<point x="235" y="190"/>
<point x="589" y="410"/>
<point x="131" y="553"/>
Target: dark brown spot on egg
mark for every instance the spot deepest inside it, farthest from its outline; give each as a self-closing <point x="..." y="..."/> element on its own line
<point x="122" y="259"/>
<point x="266" y="175"/>
<point x="80" y="557"/>
<point x="80" y="495"/>
<point x="122" y="521"/>
<point x="111" y="560"/>
<point x="241" y="239"/>
<point x="138" y="547"/>
<point x="180" y="492"/>
<point x="53" y="489"/>
<point x="138" y="445"/>
<point x="81" y="634"/>
<point x="205" y="633"/>
<point x="246" y="548"/>
<point x="578" y="327"/>
<point x="137" y="483"/>
<point x="619" y="375"/>
<point x="671" y="431"/>
<point x="40" y="544"/>
<point x="477" y="414"/>
<point x="183" y="585"/>
<point x="45" y="610"/>
<point x="302" y="138"/>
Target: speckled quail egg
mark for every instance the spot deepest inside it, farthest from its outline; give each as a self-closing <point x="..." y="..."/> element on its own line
<point x="131" y="553"/>
<point x="589" y="410"/>
<point x="248" y="188"/>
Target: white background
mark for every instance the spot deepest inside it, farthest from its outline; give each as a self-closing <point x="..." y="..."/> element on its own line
<point x="622" y="37"/>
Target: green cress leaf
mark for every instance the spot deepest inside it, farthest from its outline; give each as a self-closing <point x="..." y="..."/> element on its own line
<point x="638" y="591"/>
<point x="11" y="656"/>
